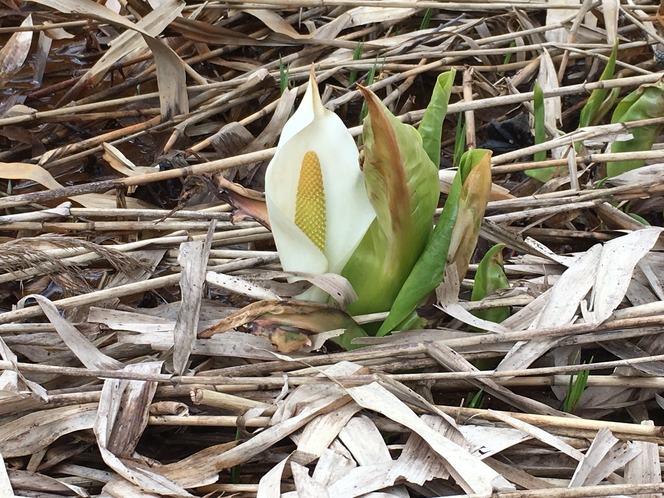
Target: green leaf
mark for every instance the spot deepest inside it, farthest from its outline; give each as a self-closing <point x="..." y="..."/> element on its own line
<point x="488" y="279"/>
<point x="645" y="102"/>
<point x="640" y="219"/>
<point x="508" y="58"/>
<point x="541" y="174"/>
<point x="357" y="54"/>
<point x="590" y="112"/>
<point x="403" y="189"/>
<point x="428" y="271"/>
<point x="478" y="400"/>
<point x="353" y="330"/>
<point x="540" y="129"/>
<point x="431" y="127"/>
<point x="426" y="19"/>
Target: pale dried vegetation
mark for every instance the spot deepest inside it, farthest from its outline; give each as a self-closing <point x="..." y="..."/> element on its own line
<point x="116" y="177"/>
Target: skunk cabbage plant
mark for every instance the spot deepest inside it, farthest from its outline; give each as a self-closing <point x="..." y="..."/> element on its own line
<point x="373" y="225"/>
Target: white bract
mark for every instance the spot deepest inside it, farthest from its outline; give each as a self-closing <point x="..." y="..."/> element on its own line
<point x="316" y="200"/>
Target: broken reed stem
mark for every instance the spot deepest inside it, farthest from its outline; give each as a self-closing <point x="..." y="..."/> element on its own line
<point x="396" y="62"/>
<point x="421" y="5"/>
<point x="48" y="27"/>
<point x="589" y="158"/>
<point x="544" y="211"/>
<point x="99" y="116"/>
<point x="226" y="401"/>
<point x="218" y="214"/>
<point x="84" y="255"/>
<point x="582" y="492"/>
<point x="207" y="421"/>
<point x="229" y="488"/>
<point x="220" y="398"/>
<point x="575" y="136"/>
<point x="230" y="254"/>
<point x="110" y="136"/>
<point x="554" y="424"/>
<point x="104" y="186"/>
<point x="625" y="381"/>
<point x="245" y="228"/>
<point x="554" y="198"/>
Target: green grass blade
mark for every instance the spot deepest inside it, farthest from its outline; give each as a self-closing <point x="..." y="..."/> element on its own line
<point x="426" y="19"/>
<point x="576" y="387"/>
<point x="357" y="55"/>
<point x="508" y="58"/>
<point x="459" y="140"/>
<point x="478" y="400"/>
<point x="370" y="79"/>
<point x="540" y="129"/>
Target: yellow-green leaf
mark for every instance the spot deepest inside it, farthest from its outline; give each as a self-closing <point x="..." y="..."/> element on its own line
<point x="402" y="184"/>
<point x="431" y="126"/>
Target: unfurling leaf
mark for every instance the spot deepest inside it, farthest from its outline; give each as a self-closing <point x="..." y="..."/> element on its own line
<point x="596" y="108"/>
<point x="540" y="121"/>
<point x="541" y="174"/>
<point x="453" y="239"/>
<point x="488" y="279"/>
<point x="431" y="127"/>
<point x="645" y="102"/>
<point x="402" y="184"/>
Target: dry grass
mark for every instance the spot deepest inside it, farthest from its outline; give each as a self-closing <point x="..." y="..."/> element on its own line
<point x="113" y="215"/>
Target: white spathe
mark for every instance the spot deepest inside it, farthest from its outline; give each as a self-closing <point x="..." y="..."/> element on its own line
<point x="348" y="212"/>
